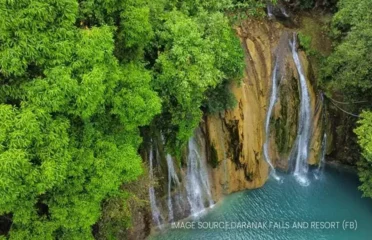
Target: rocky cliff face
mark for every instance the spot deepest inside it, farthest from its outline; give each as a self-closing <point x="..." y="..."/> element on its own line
<point x="236" y="137"/>
<point x="231" y="142"/>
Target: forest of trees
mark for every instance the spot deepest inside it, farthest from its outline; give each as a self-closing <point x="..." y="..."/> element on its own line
<point x="348" y="70"/>
<point x="78" y="79"/>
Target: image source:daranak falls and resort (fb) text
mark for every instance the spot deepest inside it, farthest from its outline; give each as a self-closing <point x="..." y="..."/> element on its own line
<point x="185" y="119"/>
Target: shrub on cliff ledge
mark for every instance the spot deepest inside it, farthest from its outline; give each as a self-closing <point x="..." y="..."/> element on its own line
<point x="364" y="132"/>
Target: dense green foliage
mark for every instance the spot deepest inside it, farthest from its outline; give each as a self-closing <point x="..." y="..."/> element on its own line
<point x="241" y="9"/>
<point x="348" y="71"/>
<point x="349" y="66"/>
<point x="310" y="4"/>
<point x="305" y="43"/>
<point x="69" y="119"/>
<point x="364" y="132"/>
<point x="78" y="79"/>
<point x="182" y="77"/>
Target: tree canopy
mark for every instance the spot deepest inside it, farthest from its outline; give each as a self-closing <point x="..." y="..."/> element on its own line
<point x="364" y="132"/>
<point x="78" y="79"/>
<point x="348" y="71"/>
<point x="348" y="68"/>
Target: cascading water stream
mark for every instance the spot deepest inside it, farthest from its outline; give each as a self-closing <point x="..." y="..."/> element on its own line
<point x="270" y="10"/>
<point x="204" y="176"/>
<point x="284" y="12"/>
<point x="303" y="134"/>
<point x="172" y="177"/>
<point x="156" y="216"/>
<point x="273" y="99"/>
<point x="197" y="185"/>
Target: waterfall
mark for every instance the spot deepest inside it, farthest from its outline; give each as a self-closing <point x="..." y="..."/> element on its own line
<point x="283" y="11"/>
<point x="303" y="134"/>
<point x="279" y="7"/>
<point x="172" y="177"/>
<point x="273" y="98"/>
<point x="321" y="164"/>
<point x="197" y="185"/>
<point x="270" y="11"/>
<point x="154" y="208"/>
<point x="204" y="176"/>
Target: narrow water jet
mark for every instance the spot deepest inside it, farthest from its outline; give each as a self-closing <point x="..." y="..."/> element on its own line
<point x="204" y="175"/>
<point x="284" y="11"/>
<point x="277" y="8"/>
<point x="273" y="98"/>
<point x="197" y="185"/>
<point x="303" y="132"/>
<point x="270" y="11"/>
<point x="156" y="216"/>
<point x="172" y="177"/>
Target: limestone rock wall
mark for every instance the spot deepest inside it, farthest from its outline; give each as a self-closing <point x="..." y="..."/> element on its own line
<point x="232" y="141"/>
<point x="236" y="137"/>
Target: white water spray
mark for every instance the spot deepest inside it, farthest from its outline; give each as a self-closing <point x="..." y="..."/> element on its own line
<point x="197" y="185"/>
<point x="172" y="177"/>
<point x="273" y="98"/>
<point x="303" y="134"/>
<point x="156" y="216"/>
<point x="270" y="8"/>
<point x="270" y="11"/>
<point x="283" y="11"/>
